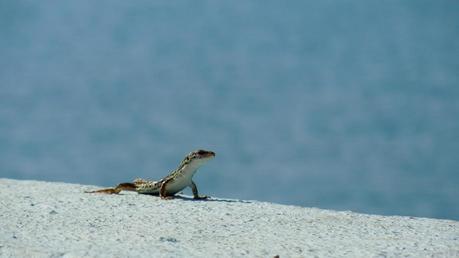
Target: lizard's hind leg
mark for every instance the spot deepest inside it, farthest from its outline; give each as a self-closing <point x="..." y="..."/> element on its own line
<point x="117" y="189"/>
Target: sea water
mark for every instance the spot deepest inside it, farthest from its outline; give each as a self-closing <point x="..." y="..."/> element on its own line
<point x="342" y="105"/>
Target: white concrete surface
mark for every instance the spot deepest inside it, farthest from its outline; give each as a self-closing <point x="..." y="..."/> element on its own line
<point x="42" y="219"/>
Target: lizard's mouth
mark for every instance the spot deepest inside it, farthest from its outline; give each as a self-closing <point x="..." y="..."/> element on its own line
<point x="206" y="154"/>
<point x="209" y="154"/>
<point x="203" y="154"/>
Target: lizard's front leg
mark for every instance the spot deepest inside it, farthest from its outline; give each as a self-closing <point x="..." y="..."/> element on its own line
<point x="196" y="196"/>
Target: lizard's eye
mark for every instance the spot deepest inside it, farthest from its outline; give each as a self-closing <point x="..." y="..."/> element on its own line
<point x="201" y="152"/>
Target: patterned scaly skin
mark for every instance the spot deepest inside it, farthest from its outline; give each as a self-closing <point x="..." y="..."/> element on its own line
<point x="168" y="186"/>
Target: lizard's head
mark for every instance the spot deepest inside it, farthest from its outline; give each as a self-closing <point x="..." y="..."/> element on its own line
<point x="199" y="157"/>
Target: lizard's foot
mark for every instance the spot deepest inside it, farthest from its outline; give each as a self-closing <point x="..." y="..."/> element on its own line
<point x="167" y="197"/>
<point x="201" y="197"/>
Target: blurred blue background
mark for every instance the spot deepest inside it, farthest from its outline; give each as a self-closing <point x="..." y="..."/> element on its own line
<point x="343" y="105"/>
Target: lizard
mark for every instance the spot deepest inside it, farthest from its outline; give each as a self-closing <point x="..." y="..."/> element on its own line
<point x="171" y="184"/>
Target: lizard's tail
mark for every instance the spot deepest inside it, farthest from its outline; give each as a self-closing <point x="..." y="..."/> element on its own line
<point x="117" y="189"/>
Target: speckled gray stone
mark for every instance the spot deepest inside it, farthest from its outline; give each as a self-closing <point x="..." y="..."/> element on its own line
<point x="42" y="219"/>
